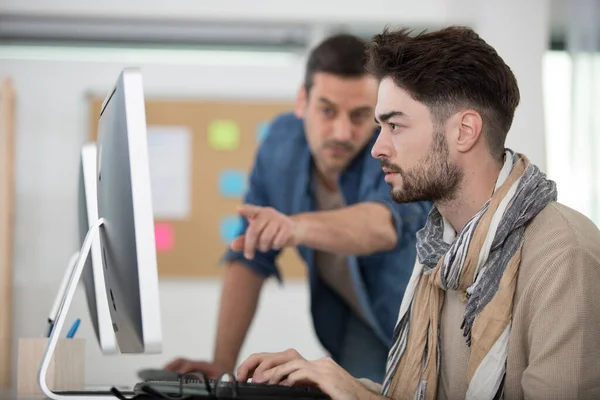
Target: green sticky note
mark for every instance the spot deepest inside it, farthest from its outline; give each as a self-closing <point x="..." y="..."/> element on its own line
<point x="224" y="135"/>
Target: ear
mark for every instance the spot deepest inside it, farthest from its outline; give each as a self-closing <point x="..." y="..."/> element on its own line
<point x="469" y="130"/>
<point x="301" y="100"/>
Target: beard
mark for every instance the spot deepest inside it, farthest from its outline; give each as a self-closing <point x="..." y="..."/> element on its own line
<point x="435" y="177"/>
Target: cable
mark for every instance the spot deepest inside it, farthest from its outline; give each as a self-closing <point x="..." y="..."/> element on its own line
<point x="183" y="379"/>
<point x="153" y="392"/>
<point x="201" y="375"/>
<point x="117" y="393"/>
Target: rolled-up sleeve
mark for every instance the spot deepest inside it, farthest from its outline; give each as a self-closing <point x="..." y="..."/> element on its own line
<point x="264" y="263"/>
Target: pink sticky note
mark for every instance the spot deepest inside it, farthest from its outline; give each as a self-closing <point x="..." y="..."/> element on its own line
<point x="164" y="236"/>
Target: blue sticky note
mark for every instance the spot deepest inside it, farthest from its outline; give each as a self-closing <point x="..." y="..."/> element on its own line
<point x="262" y="131"/>
<point x="231" y="227"/>
<point x="232" y="183"/>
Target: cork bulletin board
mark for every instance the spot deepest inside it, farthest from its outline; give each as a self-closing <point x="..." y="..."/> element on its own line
<point x="200" y="154"/>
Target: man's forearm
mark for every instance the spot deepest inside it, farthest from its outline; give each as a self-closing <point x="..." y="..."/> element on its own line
<point x="363" y="228"/>
<point x="239" y="298"/>
<point x="369" y="384"/>
<point x="374" y="390"/>
<point x="375" y="396"/>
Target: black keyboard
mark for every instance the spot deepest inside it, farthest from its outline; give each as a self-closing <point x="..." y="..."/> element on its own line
<point x="233" y="390"/>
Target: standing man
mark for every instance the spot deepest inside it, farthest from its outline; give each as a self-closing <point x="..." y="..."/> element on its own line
<point x="315" y="186"/>
<point x="503" y="299"/>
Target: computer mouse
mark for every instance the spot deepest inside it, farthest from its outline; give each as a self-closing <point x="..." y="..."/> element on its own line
<point x="154" y="374"/>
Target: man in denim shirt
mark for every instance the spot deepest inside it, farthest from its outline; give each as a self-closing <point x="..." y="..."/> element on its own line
<point x="315" y="186"/>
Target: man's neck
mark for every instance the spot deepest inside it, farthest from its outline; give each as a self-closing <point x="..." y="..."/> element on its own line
<point x="328" y="180"/>
<point x="476" y="188"/>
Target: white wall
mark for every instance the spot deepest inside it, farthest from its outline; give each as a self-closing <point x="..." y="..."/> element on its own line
<point x="519" y="31"/>
<point x="52" y="125"/>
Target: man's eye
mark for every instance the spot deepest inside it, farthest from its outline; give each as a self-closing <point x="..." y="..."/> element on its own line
<point x="327" y="111"/>
<point x="360" y="118"/>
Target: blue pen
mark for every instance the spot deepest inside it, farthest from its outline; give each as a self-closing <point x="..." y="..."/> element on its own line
<point x="73" y="329"/>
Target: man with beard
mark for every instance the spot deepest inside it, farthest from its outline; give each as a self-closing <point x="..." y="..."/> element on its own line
<point x="503" y="298"/>
<point x="315" y="186"/>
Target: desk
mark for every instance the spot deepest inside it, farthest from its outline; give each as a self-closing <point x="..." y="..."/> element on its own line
<point x="11" y="394"/>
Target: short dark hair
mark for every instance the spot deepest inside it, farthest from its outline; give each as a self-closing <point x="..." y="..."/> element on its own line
<point x="447" y="70"/>
<point x="342" y="55"/>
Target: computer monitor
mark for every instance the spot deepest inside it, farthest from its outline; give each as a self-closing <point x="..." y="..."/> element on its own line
<point x="93" y="272"/>
<point x="125" y="203"/>
<point x="124" y="230"/>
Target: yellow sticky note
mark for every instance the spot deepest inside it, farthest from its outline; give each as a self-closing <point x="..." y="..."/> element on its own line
<point x="224" y="135"/>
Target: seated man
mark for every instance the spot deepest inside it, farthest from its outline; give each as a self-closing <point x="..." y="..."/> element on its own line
<point x="315" y="186"/>
<point x="503" y="299"/>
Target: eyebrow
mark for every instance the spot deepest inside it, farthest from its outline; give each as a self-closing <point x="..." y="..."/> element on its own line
<point x="386" y="116"/>
<point x="355" y="110"/>
<point x="324" y="100"/>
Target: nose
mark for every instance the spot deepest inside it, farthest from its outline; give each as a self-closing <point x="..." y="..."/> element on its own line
<point x="342" y="129"/>
<point x="383" y="147"/>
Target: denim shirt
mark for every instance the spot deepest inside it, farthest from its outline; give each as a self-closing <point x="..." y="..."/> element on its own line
<point x="281" y="178"/>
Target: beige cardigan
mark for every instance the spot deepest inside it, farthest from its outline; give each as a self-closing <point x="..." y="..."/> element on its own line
<point x="554" y="349"/>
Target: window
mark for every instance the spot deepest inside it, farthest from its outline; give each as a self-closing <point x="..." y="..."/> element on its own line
<point x="572" y="100"/>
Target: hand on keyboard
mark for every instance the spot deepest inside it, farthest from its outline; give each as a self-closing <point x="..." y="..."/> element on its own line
<point x="260" y="366"/>
<point x="184" y="365"/>
<point x="291" y="369"/>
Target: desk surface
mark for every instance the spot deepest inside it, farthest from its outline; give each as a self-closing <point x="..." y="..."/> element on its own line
<point x="11" y="394"/>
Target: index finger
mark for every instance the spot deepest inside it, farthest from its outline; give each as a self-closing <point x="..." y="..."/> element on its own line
<point x="260" y="366"/>
<point x="246" y="369"/>
<point x="248" y="210"/>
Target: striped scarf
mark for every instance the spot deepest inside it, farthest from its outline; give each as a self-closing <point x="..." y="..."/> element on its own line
<point x="482" y="263"/>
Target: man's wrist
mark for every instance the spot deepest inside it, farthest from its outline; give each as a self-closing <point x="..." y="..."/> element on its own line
<point x="368" y="390"/>
<point x="226" y="364"/>
<point x="298" y="229"/>
<point x="370" y="385"/>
